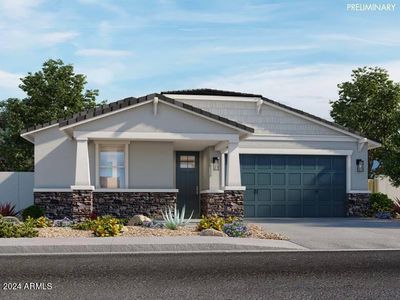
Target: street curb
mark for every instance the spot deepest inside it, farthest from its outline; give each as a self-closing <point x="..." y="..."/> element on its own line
<point x="140" y="245"/>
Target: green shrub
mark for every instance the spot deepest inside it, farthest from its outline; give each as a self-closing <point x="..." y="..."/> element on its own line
<point x="107" y="226"/>
<point x="380" y="203"/>
<point x="214" y="222"/>
<point x="84" y="225"/>
<point x="13" y="230"/>
<point x="41" y="222"/>
<point x="32" y="211"/>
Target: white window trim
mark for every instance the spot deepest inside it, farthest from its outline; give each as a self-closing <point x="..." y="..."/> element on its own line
<point x="98" y="144"/>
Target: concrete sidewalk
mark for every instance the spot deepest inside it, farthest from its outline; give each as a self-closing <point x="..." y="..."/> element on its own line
<point x="139" y="245"/>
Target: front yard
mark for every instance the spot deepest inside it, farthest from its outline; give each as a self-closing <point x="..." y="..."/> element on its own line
<point x="254" y="231"/>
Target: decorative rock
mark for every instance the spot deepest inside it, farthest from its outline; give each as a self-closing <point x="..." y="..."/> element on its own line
<point x="212" y="232"/>
<point x="138" y="220"/>
<point x="11" y="219"/>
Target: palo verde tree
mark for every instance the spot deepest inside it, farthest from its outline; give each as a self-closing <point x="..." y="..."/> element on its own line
<point x="369" y="103"/>
<point x="54" y="92"/>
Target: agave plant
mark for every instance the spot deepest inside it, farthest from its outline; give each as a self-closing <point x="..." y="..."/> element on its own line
<point x="173" y="219"/>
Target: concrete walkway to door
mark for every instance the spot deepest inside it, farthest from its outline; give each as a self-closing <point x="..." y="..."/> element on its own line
<point x="336" y="233"/>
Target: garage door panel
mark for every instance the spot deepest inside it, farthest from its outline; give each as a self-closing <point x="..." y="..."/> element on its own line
<point x="278" y="211"/>
<point x="278" y="162"/>
<point x="279" y="179"/>
<point x="324" y="179"/>
<point x="294" y="211"/>
<point x="263" y="179"/>
<point x="248" y="179"/>
<point x="294" y="178"/>
<point x="294" y="163"/>
<point x="249" y="210"/>
<point x="294" y="185"/>
<point x="309" y="179"/>
<point x="264" y="195"/>
<point x="278" y="196"/>
<point x="263" y="210"/>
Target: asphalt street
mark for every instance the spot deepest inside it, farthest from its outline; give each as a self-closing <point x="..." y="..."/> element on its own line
<point x="269" y="275"/>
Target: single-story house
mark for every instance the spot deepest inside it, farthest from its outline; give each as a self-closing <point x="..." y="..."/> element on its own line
<point x="216" y="152"/>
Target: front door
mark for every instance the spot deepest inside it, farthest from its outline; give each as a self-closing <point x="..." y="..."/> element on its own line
<point x="187" y="182"/>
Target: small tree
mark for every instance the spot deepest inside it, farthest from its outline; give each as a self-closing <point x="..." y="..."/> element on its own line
<point x="54" y="92"/>
<point x="369" y="103"/>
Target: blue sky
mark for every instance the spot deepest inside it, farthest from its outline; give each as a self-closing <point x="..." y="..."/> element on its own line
<point x="294" y="52"/>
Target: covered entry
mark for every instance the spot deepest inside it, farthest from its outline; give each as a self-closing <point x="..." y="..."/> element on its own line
<point x="293" y="185"/>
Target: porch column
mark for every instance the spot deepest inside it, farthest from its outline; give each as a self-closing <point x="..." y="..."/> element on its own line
<point x="233" y="168"/>
<point x="82" y="173"/>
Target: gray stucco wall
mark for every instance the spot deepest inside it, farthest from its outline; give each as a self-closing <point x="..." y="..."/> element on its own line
<point x="151" y="165"/>
<point x="359" y="181"/>
<point x="54" y="159"/>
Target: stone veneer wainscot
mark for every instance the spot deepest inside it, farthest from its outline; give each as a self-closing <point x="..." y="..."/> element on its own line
<point x="80" y="204"/>
<point x="358" y="204"/>
<point x="228" y="203"/>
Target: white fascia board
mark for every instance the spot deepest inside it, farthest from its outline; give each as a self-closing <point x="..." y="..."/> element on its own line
<point x="106" y="114"/>
<point x="205" y="117"/>
<point x="217" y="98"/>
<point x="155" y="136"/>
<point x="294" y="151"/>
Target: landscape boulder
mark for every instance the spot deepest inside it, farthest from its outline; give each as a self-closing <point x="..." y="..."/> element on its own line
<point x="138" y="220"/>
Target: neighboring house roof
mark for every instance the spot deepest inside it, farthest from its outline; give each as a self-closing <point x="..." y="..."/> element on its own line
<point x="214" y="92"/>
<point x="117" y="105"/>
<point x="210" y="92"/>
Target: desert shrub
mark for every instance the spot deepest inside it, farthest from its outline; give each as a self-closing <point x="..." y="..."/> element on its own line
<point x="174" y="219"/>
<point x="84" y="225"/>
<point x="107" y="226"/>
<point x="13" y="230"/>
<point x="380" y="203"/>
<point x="41" y="222"/>
<point x="214" y="222"/>
<point x="32" y="211"/>
<point x="235" y="229"/>
<point x="7" y="209"/>
<point x="123" y="221"/>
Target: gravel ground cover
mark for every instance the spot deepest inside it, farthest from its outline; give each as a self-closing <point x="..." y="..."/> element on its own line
<point x="136" y="231"/>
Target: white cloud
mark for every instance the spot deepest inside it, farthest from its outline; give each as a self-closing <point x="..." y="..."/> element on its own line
<point x="102" y="75"/>
<point x="95" y="52"/>
<point x="9" y="85"/>
<point x="57" y="37"/>
<point x="255" y="49"/>
<point x="308" y="87"/>
<point x="16" y="9"/>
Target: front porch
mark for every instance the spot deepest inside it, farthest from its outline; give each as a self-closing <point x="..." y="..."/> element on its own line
<point x="147" y="155"/>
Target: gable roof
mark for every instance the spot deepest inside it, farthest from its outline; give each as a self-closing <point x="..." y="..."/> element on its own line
<point x="215" y="92"/>
<point x="120" y="104"/>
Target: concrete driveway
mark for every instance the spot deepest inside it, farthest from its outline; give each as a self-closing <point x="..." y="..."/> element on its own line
<point x="336" y="233"/>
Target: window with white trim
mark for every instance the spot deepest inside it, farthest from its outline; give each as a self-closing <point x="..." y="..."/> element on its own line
<point x="112" y="166"/>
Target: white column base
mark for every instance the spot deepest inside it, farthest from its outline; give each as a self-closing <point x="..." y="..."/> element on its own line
<point x="82" y="187"/>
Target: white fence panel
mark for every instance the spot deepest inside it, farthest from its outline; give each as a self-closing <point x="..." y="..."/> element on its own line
<point x="17" y="188"/>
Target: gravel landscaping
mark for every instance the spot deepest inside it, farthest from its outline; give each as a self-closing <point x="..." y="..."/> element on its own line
<point x="139" y="231"/>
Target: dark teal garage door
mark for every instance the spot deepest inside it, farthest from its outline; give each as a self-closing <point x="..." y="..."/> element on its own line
<point x="294" y="185"/>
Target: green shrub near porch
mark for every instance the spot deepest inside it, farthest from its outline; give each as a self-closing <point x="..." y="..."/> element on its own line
<point x="380" y="203"/>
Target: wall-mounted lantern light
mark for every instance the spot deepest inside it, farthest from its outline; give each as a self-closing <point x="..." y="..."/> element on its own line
<point x="215" y="163"/>
<point x="360" y="165"/>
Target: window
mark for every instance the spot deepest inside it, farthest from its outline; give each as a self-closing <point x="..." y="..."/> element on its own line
<point x="112" y="161"/>
<point x="187" y="162"/>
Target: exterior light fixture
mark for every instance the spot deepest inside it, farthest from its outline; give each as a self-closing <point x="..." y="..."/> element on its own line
<point x="215" y="163"/>
<point x="360" y="165"/>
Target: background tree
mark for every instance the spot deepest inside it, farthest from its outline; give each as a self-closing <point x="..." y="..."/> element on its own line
<point x="54" y="92"/>
<point x="369" y="103"/>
